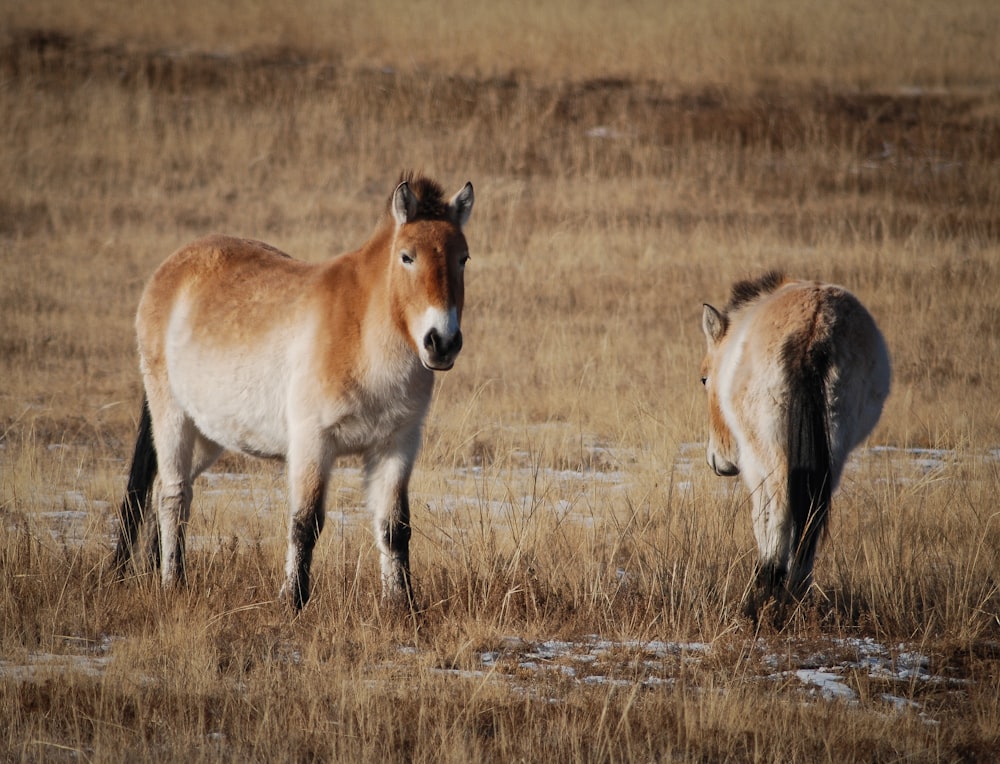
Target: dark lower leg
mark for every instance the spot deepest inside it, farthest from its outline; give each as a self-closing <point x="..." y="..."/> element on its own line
<point x="303" y="535"/>
<point x="395" y="542"/>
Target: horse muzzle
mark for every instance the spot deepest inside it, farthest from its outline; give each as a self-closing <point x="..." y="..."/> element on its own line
<point x="439" y="352"/>
<point x="722" y="467"/>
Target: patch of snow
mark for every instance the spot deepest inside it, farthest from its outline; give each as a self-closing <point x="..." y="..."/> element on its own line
<point x="830" y="684"/>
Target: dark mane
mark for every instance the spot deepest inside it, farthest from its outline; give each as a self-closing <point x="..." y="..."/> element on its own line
<point x="431" y="202"/>
<point x="748" y="290"/>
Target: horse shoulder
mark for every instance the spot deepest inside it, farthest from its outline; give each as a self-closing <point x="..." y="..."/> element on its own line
<point x="337" y="308"/>
<point x="335" y="302"/>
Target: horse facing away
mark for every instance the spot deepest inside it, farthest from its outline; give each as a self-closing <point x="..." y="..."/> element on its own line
<point x="244" y="348"/>
<point x="796" y="374"/>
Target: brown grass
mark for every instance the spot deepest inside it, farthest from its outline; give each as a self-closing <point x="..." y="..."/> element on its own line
<point x="628" y="164"/>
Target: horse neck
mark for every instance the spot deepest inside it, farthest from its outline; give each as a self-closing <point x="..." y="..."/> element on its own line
<point x="382" y="335"/>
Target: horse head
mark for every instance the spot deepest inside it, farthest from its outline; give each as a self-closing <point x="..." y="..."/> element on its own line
<point x="428" y="259"/>
<point x="723" y="450"/>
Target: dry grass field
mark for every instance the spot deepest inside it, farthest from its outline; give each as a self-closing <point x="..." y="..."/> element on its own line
<point x="579" y="567"/>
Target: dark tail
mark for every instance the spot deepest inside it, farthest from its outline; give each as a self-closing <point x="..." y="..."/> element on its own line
<point x="137" y="493"/>
<point x="810" y="483"/>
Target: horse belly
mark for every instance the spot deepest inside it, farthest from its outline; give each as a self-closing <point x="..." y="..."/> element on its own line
<point x="233" y="401"/>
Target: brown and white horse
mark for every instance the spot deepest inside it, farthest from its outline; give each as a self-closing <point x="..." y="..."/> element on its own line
<point x="243" y="348"/>
<point x="796" y="374"/>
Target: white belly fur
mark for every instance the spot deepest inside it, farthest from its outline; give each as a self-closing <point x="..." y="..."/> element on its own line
<point x="234" y="398"/>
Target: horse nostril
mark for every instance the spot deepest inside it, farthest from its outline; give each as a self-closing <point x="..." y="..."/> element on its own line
<point x="432" y="340"/>
<point x="438" y="345"/>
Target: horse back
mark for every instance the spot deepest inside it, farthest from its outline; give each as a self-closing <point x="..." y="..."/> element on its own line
<point x="228" y="287"/>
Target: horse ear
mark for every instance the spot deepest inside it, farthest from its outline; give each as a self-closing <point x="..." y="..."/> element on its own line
<point x="460" y="205"/>
<point x="713" y="323"/>
<point x="404" y="204"/>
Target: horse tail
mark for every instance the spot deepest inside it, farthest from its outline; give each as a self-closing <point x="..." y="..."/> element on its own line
<point x="138" y="491"/>
<point x="810" y="478"/>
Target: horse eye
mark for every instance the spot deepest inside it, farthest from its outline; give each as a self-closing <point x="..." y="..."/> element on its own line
<point x="463" y="260"/>
<point x="704" y="380"/>
<point x="406" y="258"/>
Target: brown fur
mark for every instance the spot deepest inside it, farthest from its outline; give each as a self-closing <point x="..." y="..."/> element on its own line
<point x="243" y="347"/>
<point x="796" y="374"/>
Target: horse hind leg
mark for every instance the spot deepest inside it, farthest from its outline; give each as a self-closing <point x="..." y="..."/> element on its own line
<point x="771" y="523"/>
<point x="206" y="453"/>
<point x="176" y="437"/>
<point x="174" y="512"/>
<point x="148" y="547"/>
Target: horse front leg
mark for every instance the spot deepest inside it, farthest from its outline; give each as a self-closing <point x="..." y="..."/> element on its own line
<point x="387" y="476"/>
<point x="308" y="469"/>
